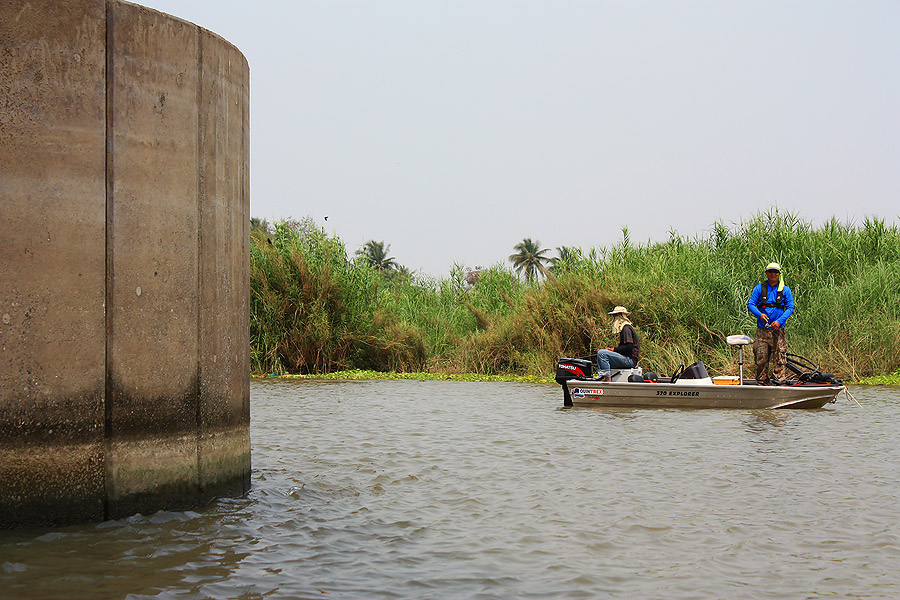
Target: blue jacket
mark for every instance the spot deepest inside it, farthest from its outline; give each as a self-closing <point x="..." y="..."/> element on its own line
<point x="775" y="313"/>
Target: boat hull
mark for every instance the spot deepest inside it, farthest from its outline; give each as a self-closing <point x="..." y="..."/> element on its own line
<point x="687" y="395"/>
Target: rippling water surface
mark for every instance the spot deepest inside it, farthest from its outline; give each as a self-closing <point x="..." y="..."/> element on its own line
<point x="405" y="489"/>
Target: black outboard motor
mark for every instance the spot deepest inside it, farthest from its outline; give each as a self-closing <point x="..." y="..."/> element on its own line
<point x="572" y="368"/>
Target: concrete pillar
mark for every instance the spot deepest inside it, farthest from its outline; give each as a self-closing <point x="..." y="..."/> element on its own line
<point x="124" y="254"/>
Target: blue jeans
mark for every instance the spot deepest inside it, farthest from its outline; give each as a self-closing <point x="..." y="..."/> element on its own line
<point x="607" y="359"/>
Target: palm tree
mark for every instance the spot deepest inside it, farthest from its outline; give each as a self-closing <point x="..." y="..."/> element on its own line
<point x="568" y="256"/>
<point x="529" y="258"/>
<point x="399" y="273"/>
<point x="376" y="255"/>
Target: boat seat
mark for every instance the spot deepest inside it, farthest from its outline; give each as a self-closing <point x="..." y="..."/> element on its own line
<point x="623" y="374"/>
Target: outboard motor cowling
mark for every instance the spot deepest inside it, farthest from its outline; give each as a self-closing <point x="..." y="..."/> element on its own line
<point x="573" y="368"/>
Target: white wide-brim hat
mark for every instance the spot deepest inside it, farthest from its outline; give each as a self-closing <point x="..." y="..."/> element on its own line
<point x="619" y="310"/>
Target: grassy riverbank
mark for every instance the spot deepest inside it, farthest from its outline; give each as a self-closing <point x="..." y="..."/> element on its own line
<point x="368" y="374"/>
<point x="314" y="310"/>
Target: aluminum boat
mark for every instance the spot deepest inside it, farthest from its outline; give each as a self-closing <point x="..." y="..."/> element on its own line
<point x="692" y="387"/>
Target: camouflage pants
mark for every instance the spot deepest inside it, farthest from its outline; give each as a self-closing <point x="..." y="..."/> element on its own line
<point x="770" y="344"/>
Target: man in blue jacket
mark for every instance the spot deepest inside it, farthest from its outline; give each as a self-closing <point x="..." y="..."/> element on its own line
<point x="773" y="303"/>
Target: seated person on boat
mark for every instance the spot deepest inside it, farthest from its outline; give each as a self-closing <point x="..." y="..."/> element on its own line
<point x="626" y="354"/>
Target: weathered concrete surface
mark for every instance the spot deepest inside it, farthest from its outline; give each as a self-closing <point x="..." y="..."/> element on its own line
<point x="124" y="307"/>
<point x="52" y="260"/>
<point x="224" y="261"/>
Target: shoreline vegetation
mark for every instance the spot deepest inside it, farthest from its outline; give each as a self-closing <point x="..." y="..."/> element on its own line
<point x="319" y="311"/>
<point x="368" y="374"/>
<point x="892" y="379"/>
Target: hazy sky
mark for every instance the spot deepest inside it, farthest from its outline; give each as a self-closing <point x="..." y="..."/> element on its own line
<point x="453" y="129"/>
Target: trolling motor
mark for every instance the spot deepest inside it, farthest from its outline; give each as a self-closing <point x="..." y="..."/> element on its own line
<point x="808" y="372"/>
<point x="572" y="368"/>
<point x="805" y="370"/>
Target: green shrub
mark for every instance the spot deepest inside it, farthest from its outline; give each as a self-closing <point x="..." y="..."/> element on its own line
<point x="315" y="311"/>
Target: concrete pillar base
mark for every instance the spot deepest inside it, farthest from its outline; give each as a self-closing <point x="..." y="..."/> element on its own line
<point x="124" y="301"/>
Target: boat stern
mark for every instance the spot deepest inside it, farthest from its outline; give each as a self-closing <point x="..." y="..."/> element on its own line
<point x="572" y="368"/>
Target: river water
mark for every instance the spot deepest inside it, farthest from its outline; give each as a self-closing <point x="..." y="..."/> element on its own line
<point x="407" y="489"/>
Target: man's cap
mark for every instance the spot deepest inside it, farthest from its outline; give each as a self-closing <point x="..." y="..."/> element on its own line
<point x="773" y="266"/>
<point x="619" y="310"/>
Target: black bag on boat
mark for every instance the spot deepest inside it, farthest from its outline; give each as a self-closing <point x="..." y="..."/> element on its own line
<point x="651" y="377"/>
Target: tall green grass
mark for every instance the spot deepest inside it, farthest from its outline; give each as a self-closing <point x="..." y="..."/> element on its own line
<point x="314" y="310"/>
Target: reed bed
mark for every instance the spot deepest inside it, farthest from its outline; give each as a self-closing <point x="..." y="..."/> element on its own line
<point x="315" y="310"/>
